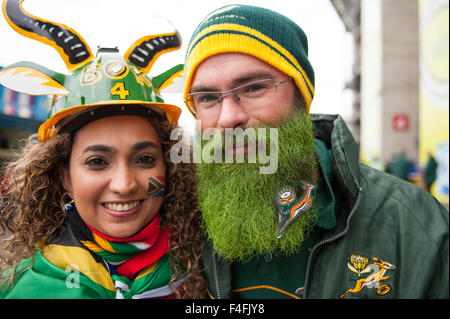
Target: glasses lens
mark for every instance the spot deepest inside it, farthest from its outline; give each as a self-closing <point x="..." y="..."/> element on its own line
<point x="255" y="89"/>
<point x="204" y="100"/>
<point x="249" y="92"/>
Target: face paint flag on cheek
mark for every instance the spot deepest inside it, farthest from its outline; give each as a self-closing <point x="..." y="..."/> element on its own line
<point x="157" y="186"/>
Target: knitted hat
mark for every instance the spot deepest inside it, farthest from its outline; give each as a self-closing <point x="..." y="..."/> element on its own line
<point x="262" y="33"/>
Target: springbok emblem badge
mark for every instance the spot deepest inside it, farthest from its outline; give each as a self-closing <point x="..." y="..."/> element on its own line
<point x="376" y="278"/>
<point x="106" y="82"/>
<point x="290" y="207"/>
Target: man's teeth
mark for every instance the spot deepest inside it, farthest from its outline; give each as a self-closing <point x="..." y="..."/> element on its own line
<point x="122" y="207"/>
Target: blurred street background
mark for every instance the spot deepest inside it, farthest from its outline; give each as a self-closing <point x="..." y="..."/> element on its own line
<point x="382" y="64"/>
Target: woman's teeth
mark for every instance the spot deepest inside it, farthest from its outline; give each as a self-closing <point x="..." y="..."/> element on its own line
<point x="122" y="207"/>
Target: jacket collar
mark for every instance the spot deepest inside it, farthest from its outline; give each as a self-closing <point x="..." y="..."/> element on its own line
<point x="332" y="130"/>
<point x="325" y="200"/>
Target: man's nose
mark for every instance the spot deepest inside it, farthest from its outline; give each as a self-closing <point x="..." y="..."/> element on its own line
<point x="123" y="181"/>
<point x="232" y="113"/>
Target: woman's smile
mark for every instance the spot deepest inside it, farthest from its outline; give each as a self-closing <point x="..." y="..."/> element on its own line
<point x="122" y="206"/>
<point x="123" y="209"/>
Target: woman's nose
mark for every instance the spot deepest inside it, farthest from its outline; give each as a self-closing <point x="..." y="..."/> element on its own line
<point x="123" y="180"/>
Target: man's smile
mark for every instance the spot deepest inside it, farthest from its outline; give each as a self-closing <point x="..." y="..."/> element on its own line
<point x="235" y="150"/>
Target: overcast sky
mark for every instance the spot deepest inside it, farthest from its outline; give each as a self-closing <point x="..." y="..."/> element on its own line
<point x="119" y="23"/>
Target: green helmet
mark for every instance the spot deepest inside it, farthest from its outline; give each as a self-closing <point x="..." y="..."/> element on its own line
<point x="98" y="86"/>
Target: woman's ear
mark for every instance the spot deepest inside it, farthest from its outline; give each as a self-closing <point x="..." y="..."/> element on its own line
<point x="65" y="179"/>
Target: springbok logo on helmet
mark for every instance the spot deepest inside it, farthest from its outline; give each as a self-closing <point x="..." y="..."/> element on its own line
<point x="98" y="86"/>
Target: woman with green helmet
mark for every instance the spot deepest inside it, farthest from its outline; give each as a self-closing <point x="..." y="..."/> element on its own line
<point x="93" y="206"/>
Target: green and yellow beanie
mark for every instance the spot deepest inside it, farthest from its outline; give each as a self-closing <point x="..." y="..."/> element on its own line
<point x="262" y="33"/>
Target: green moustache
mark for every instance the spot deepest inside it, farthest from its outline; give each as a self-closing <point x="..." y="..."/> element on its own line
<point x="261" y="144"/>
<point x="238" y="202"/>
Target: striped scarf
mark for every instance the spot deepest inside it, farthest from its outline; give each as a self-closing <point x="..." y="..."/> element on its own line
<point x="130" y="255"/>
<point x="129" y="259"/>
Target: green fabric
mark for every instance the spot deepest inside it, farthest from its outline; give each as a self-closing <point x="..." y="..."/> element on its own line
<point x="158" y="278"/>
<point x="283" y="273"/>
<point x="327" y="202"/>
<point x="45" y="280"/>
<point x="66" y="269"/>
<point x="118" y="258"/>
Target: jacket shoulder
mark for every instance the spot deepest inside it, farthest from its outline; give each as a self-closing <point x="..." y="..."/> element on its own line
<point x="404" y="202"/>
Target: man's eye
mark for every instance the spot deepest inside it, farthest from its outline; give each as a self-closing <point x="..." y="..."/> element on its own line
<point x="255" y="89"/>
<point x="206" y="99"/>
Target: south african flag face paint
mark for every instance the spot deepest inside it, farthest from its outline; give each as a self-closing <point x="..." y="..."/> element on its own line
<point x="156" y="186"/>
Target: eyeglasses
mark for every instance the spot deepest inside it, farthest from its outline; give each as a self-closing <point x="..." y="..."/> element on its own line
<point x="249" y="94"/>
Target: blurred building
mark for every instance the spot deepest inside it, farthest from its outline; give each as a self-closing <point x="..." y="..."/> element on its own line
<point x="401" y="81"/>
<point x="434" y="90"/>
<point x="20" y="116"/>
<point x="350" y="13"/>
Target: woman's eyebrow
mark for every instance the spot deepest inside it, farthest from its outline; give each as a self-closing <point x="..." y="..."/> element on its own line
<point x="141" y="145"/>
<point x="99" y="148"/>
<point x="108" y="149"/>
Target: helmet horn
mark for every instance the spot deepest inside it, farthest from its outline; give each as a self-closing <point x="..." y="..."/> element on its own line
<point x="144" y="52"/>
<point x="72" y="48"/>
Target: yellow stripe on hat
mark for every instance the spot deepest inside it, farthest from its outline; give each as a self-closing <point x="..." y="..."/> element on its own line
<point x="257" y="34"/>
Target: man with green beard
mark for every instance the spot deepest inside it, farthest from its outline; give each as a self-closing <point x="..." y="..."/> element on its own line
<point x="322" y="225"/>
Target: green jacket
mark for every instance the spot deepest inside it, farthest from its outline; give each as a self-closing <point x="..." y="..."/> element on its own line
<point x="65" y="269"/>
<point x="390" y="239"/>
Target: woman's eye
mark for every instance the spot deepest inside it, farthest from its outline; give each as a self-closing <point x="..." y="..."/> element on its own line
<point x="96" y="163"/>
<point x="146" y="160"/>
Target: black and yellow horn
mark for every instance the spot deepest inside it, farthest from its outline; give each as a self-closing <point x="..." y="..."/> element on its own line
<point x="71" y="46"/>
<point x="144" y="52"/>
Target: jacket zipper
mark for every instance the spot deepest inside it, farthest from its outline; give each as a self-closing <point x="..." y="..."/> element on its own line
<point x="329" y="240"/>
<point x="216" y="277"/>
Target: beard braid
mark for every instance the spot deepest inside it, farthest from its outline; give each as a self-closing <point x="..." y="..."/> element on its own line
<point x="238" y="202"/>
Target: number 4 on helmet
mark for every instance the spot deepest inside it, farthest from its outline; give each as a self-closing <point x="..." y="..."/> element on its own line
<point x="107" y="83"/>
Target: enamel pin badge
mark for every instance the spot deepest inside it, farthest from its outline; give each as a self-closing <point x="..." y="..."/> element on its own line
<point x="290" y="207"/>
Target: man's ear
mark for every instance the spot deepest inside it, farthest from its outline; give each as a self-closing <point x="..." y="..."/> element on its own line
<point x="66" y="180"/>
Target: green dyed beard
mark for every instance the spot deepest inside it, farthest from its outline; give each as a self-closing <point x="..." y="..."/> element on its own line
<point x="238" y="203"/>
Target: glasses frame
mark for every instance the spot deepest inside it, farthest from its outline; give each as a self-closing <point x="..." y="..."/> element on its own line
<point x="224" y="94"/>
